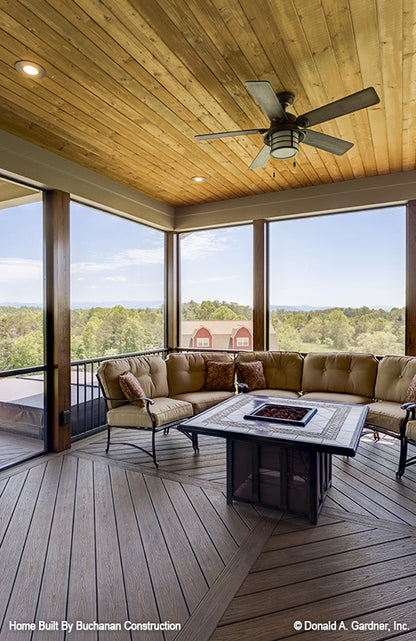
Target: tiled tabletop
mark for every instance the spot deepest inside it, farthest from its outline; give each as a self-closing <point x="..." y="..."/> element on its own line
<point x="334" y="427"/>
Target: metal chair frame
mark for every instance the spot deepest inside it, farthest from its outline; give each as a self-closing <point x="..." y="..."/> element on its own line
<point x="163" y="428"/>
<point x="404" y="462"/>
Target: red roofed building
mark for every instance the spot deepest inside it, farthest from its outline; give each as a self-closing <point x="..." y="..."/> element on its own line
<point x="221" y="335"/>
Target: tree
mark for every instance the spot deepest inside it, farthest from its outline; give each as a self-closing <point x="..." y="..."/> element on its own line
<point x="224" y="313"/>
<point x="27" y="351"/>
<point x="339" y="329"/>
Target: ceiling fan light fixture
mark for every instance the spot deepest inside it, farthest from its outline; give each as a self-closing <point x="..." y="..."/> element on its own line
<point x="284" y="143"/>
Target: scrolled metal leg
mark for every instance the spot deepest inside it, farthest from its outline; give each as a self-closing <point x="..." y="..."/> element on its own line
<point x="154" y="447"/>
<point x="403" y="456"/>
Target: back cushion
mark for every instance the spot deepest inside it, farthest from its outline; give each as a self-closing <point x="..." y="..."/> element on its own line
<point x="395" y="373"/>
<point x="282" y="370"/>
<point x="150" y="371"/>
<point x="186" y="372"/>
<point x="342" y="373"/>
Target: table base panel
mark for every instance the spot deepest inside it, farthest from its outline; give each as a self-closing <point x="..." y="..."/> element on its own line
<point x="283" y="477"/>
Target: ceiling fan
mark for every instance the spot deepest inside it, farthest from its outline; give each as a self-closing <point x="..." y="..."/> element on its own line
<point x="286" y="131"/>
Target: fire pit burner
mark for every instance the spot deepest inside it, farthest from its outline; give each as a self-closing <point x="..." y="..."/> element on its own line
<point x="282" y="414"/>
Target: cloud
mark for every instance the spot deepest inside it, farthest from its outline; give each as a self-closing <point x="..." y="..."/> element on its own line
<point x="116" y="279"/>
<point x="209" y="242"/>
<point x="20" y="269"/>
<point x="127" y="258"/>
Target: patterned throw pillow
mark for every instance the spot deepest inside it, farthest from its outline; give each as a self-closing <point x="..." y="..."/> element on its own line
<point x="252" y="374"/>
<point x="131" y="388"/>
<point x="219" y="376"/>
<point x="411" y="392"/>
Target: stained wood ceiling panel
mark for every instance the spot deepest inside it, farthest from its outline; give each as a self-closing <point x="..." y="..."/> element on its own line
<point x="130" y="83"/>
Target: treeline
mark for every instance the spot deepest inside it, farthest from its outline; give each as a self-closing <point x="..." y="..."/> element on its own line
<point x="362" y="329"/>
<point x="98" y="331"/>
<point x="215" y="310"/>
<point x="102" y="331"/>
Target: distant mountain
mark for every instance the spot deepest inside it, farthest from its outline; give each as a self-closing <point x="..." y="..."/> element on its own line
<point x="309" y="308"/>
<point x="128" y="304"/>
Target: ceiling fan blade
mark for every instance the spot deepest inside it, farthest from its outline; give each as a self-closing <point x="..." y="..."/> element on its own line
<point x="263" y="93"/>
<point x="327" y="143"/>
<point x="349" y="104"/>
<point x="261" y="158"/>
<point x="227" y="134"/>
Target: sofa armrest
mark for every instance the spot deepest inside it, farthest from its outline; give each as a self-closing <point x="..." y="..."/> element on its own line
<point x="128" y="400"/>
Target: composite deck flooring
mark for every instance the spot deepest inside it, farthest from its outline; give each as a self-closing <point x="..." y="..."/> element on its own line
<point x="92" y="537"/>
<point x="14" y="448"/>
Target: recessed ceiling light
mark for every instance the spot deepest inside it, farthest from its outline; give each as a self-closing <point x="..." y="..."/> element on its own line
<point x="30" y="69"/>
<point x="198" y="179"/>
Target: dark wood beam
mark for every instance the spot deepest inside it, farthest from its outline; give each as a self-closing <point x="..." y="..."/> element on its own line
<point x="172" y="289"/>
<point x="57" y="325"/>
<point x="411" y="278"/>
<point x="260" y="285"/>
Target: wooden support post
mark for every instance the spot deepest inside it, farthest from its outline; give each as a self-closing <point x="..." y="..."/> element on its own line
<point x="411" y="278"/>
<point x="57" y="325"/>
<point x="260" y="285"/>
<point x="172" y="289"/>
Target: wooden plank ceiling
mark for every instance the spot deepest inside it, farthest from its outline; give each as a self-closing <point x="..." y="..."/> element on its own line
<point x="129" y="84"/>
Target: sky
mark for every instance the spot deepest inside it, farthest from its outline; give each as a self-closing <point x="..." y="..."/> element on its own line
<point x="342" y="260"/>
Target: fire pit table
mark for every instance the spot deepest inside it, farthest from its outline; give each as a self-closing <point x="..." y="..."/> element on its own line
<point x="279" y="451"/>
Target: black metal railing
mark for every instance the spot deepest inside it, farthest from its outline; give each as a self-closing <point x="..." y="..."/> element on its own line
<point x="22" y="401"/>
<point x="88" y="413"/>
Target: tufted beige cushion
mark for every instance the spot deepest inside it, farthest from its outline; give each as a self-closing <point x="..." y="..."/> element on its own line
<point x="186" y="372"/>
<point x="342" y="373"/>
<point x="164" y="410"/>
<point x="395" y="373"/>
<point x="149" y="370"/>
<point x="387" y="415"/>
<point x="282" y="370"/>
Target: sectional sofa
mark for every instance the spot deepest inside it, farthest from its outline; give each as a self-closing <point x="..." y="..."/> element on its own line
<point x="187" y="383"/>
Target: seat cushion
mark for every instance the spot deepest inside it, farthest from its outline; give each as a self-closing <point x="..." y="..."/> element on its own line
<point x="337" y="397"/>
<point x="164" y="410"/>
<point x="411" y="430"/>
<point x="204" y="400"/>
<point x="278" y="393"/>
<point x="386" y="414"/>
